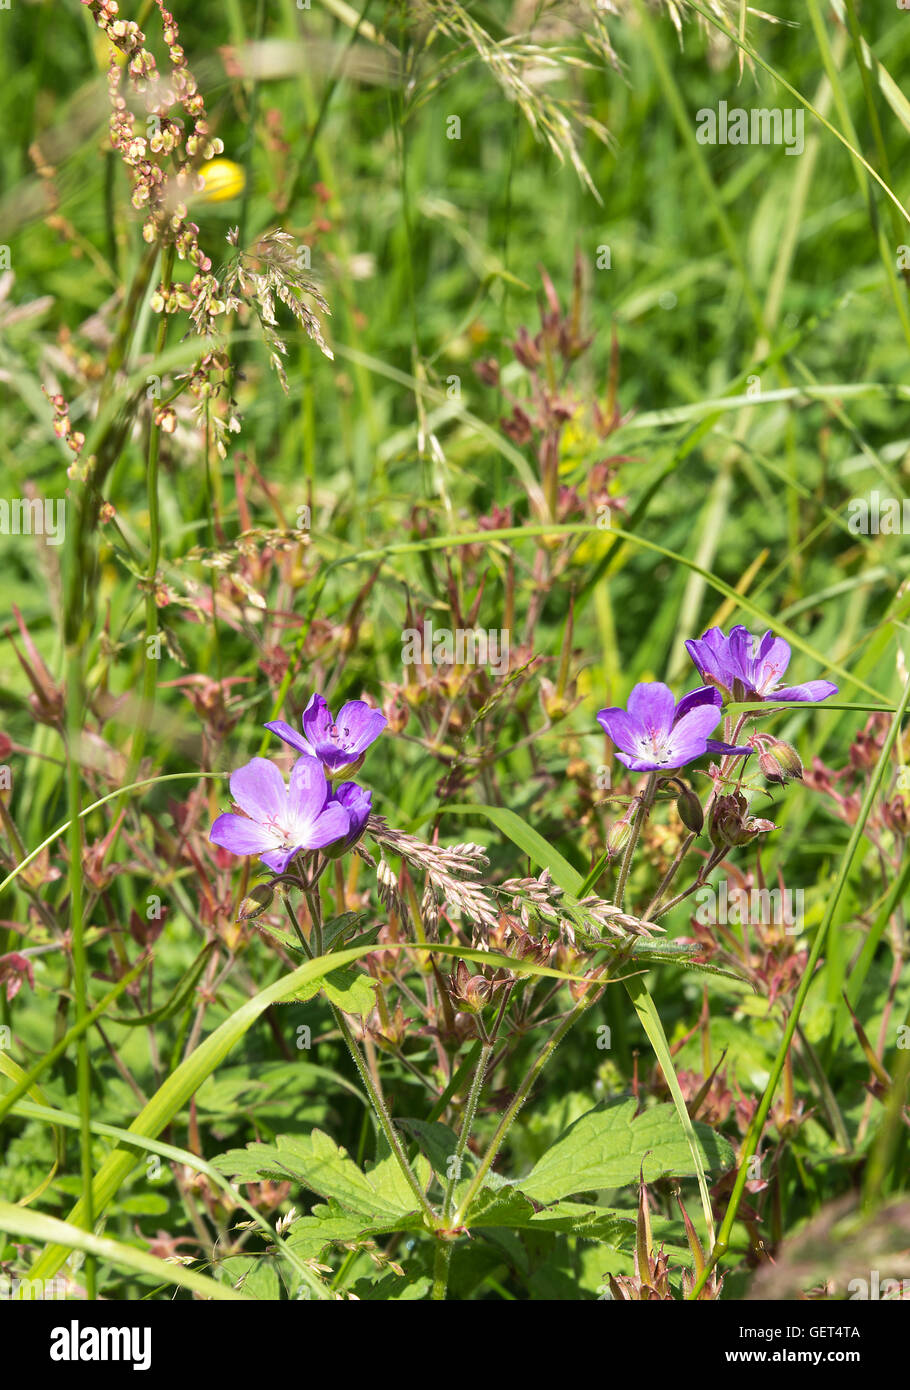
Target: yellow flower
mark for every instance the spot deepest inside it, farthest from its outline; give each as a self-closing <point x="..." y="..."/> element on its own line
<point x="223" y="179"/>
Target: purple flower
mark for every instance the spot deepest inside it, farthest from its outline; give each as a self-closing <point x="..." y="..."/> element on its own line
<point x="656" y="733"/>
<point x="746" y="668"/>
<point x="282" y="819"/>
<point x="335" y="742"/>
<point x="358" y="803"/>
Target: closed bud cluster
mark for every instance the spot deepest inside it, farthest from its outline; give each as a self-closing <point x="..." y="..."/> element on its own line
<point x="778" y="761"/>
<point x="731" y="823"/>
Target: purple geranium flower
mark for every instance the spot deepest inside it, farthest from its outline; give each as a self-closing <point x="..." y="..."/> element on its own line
<point x="358" y="803"/>
<point x="656" y="733"/>
<point x="282" y="819"/>
<point x="744" y="667"/>
<point x="335" y="742"/>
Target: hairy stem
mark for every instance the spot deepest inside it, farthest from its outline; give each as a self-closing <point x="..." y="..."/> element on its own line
<point x="644" y="807"/>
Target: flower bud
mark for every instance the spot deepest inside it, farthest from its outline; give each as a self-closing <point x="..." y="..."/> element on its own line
<point x="257" y="901"/>
<point x="617" y="837"/>
<point x="731" y="823"/>
<point x="779" y="761"/>
<point x="689" y="810"/>
<point x="728" y="825"/>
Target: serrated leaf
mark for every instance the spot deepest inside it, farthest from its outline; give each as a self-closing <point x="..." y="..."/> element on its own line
<point x="336" y="928"/>
<point x="608" y="1145"/>
<point x="322" y="1166"/>
<point x="254" y="1275"/>
<point x="332" y="1224"/>
<point x="392" y="1289"/>
<point x="348" y="989"/>
<point x="387" y="1179"/>
<point x="510" y="1207"/>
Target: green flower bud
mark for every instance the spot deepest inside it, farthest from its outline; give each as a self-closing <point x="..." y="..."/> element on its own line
<point x="779" y="761"/>
<point x="689" y="810"/>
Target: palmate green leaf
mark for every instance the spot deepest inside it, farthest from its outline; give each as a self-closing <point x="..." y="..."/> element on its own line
<point x="607" y="1147"/>
<point x="331" y="1224"/>
<point x="65" y="1118"/>
<point x="324" y="1167"/>
<point x="510" y="1207"/>
<point x="256" y="1276"/>
<point x="348" y="989"/>
<point x="392" y="1289"/>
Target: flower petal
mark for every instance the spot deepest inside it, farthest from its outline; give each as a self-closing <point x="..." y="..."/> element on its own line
<point x="709" y="656"/>
<point x="810" y="690"/>
<point x="258" y="788"/>
<point x="357" y="801"/>
<point x="241" y="836"/>
<point x="741" y="652"/>
<point x="360" y="724"/>
<point x="651" y="705"/>
<point x="317" y="721"/>
<point x="330" y="825"/>
<point x="773" y="660"/>
<point x="639" y="764"/>
<point x="689" y="735"/>
<point x="617" y="725"/>
<point x="279" y="859"/>
<point x="308" y="790"/>
<point x="704" y="695"/>
<point x="289" y="734"/>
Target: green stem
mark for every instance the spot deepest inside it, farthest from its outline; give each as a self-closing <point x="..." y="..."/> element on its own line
<point x="644" y="807"/>
<point x="467" y="1125"/>
<point x="669" y="875"/>
<point x="376" y="1099"/>
<point x="441" y="1270"/>
<point x="74" y="708"/>
<point x="591" y="994"/>
<point x="384" y="1118"/>
<point x="151" y="603"/>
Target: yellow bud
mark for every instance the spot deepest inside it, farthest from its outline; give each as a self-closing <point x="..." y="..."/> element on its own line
<point x="221" y="179"/>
